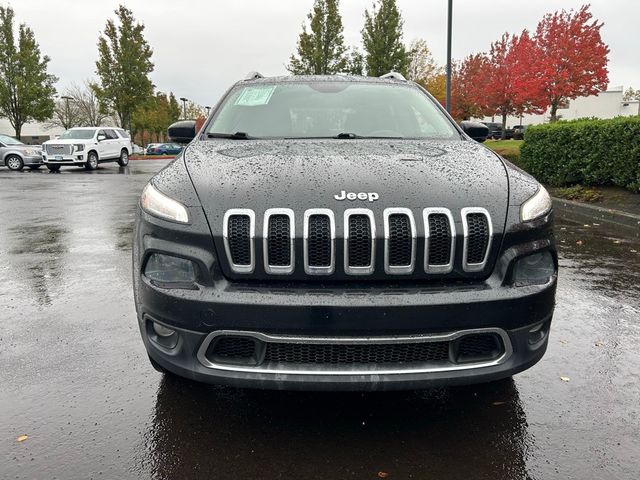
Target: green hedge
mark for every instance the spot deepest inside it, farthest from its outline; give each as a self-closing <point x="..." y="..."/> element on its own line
<point x="587" y="152"/>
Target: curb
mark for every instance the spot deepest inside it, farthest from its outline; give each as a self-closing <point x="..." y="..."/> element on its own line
<point x="580" y="212"/>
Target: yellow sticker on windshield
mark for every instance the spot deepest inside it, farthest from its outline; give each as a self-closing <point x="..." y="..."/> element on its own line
<point x="252" y="96"/>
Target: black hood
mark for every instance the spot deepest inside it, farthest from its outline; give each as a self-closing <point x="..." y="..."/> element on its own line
<point x="304" y="174"/>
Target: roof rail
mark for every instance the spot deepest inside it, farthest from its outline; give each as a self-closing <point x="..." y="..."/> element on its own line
<point x="253" y="76"/>
<point x="394" y="76"/>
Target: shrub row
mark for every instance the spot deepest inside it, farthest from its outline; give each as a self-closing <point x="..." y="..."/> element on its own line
<point x="587" y="152"/>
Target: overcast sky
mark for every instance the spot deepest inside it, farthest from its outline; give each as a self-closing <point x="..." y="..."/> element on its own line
<point x="202" y="46"/>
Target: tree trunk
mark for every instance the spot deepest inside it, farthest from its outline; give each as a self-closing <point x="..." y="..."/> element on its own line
<point x="18" y="130"/>
<point x="503" y="134"/>
<point x="554" y="112"/>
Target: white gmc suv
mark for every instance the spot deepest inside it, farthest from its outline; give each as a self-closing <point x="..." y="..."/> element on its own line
<point x="87" y="147"/>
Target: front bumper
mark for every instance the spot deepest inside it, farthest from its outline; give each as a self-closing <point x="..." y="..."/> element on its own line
<point x="32" y="160"/>
<point x="74" y="159"/>
<point x="337" y="311"/>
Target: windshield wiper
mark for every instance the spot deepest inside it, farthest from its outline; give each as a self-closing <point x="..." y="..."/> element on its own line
<point x="352" y="136"/>
<point x="232" y="136"/>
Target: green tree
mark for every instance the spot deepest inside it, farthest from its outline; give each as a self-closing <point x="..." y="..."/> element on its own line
<point x="26" y="87"/>
<point x="356" y="62"/>
<point x="321" y="51"/>
<point x="422" y="66"/>
<point x="123" y="67"/>
<point x="174" y="108"/>
<point x="382" y="38"/>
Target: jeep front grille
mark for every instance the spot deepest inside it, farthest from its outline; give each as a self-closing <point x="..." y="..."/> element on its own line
<point x="477" y="238"/>
<point x="360" y="243"/>
<point x="278" y="238"/>
<point x="239" y="232"/>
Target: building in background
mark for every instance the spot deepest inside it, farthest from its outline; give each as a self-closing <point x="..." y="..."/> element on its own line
<point x="607" y="104"/>
<point x="33" y="133"/>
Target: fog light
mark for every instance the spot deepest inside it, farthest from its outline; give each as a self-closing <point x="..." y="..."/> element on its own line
<point x="167" y="269"/>
<point x="534" y="269"/>
<point x="162" y="331"/>
<point x="538" y="333"/>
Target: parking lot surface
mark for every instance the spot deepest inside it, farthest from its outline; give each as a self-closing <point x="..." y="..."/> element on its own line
<point x="75" y="379"/>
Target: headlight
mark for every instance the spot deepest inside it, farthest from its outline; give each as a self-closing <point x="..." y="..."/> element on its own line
<point x="534" y="269"/>
<point x="155" y="203"/>
<point x="79" y="147"/>
<point x="536" y="206"/>
<point x="31" y="152"/>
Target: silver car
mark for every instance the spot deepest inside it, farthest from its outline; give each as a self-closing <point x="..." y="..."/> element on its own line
<point x="16" y="155"/>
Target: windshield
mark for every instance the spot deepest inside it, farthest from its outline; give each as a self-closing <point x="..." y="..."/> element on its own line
<point x="78" y="134"/>
<point x="9" y="140"/>
<point x="329" y="109"/>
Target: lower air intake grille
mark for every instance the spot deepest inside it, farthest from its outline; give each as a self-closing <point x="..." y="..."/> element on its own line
<point x="359" y="243"/>
<point x="319" y="241"/>
<point x="335" y="354"/>
<point x="478" y="237"/>
<point x="400" y="240"/>
<point x="439" y="239"/>
<point x="279" y="240"/>
<point x="239" y="233"/>
<point x="233" y="350"/>
<point x="478" y="346"/>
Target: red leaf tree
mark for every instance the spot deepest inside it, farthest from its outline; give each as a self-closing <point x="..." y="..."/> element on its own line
<point x="572" y="56"/>
<point x="469" y="85"/>
<point x="515" y="86"/>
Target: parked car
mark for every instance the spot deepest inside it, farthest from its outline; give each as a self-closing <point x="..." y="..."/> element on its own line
<point x="341" y="232"/>
<point x="149" y="147"/>
<point x="495" y="129"/>
<point x="16" y="155"/>
<point x="137" y="149"/>
<point x="164" y="149"/>
<point x="518" y="132"/>
<point x="87" y="147"/>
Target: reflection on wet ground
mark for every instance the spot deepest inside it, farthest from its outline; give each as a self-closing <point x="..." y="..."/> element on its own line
<point x="76" y="380"/>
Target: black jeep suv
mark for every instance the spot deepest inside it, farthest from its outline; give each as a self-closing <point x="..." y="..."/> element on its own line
<point x="338" y="232"/>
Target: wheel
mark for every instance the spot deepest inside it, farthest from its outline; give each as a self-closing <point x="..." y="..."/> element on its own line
<point x="14" y="163"/>
<point x="53" y="168"/>
<point x="35" y="167"/>
<point x="92" y="161"/>
<point x="123" y="161"/>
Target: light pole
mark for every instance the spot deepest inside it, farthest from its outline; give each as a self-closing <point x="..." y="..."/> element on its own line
<point x="67" y="116"/>
<point x="449" y="22"/>
<point x="208" y="109"/>
<point x="184" y="107"/>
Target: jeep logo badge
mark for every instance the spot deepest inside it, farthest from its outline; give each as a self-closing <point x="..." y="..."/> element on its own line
<point x="371" y="196"/>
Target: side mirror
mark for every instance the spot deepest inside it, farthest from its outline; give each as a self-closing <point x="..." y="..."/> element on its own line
<point x="101" y="137"/>
<point x="182" y="132"/>
<point x="476" y="130"/>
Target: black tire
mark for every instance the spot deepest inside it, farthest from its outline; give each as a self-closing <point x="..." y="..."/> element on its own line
<point x="123" y="161"/>
<point x="14" y="163"/>
<point x="53" y="168"/>
<point x="35" y="167"/>
<point x="92" y="161"/>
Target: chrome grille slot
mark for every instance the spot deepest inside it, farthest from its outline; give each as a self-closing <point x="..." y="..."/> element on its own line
<point x="400" y="241"/>
<point x="319" y="242"/>
<point x="359" y="241"/>
<point x="238" y="235"/>
<point x="478" y="234"/>
<point x="279" y="236"/>
<point x="440" y="240"/>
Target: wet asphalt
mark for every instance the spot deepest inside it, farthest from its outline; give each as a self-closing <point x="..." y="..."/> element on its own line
<point x="74" y="376"/>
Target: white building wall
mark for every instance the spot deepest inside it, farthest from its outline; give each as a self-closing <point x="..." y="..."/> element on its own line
<point x="30" y="129"/>
<point x="607" y="104"/>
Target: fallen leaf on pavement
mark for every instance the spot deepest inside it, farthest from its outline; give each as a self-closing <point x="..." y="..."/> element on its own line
<point x="22" y="438"/>
<point x="599" y="343"/>
<point x="616" y="241"/>
<point x="498" y="403"/>
<point x="383" y="474"/>
<point x="565" y="379"/>
<point x="563" y="342"/>
<point x="579" y="242"/>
